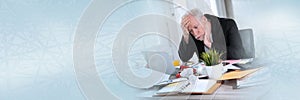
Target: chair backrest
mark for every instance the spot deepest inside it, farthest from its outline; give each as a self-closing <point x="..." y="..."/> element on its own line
<point x="248" y="42"/>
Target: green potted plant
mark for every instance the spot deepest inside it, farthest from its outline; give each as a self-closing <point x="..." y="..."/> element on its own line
<point x="213" y="65"/>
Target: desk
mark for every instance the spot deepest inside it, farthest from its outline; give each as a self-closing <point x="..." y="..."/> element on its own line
<point x="253" y="86"/>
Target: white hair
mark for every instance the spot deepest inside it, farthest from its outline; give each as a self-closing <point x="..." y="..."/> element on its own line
<point x="196" y="13"/>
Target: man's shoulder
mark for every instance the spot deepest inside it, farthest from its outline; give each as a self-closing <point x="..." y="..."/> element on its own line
<point x="212" y="18"/>
<point x="209" y="16"/>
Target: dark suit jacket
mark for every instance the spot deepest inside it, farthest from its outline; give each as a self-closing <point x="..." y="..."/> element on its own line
<point x="226" y="39"/>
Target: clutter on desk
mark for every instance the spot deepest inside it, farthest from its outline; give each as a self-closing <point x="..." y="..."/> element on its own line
<point x="171" y="81"/>
<point x="187" y="87"/>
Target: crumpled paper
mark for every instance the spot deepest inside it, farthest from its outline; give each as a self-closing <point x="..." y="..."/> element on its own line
<point x="188" y="73"/>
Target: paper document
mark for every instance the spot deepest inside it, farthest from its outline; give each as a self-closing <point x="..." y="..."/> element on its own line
<point x="230" y="66"/>
<point x="237" y="74"/>
<point x="240" y="61"/>
<point x="232" y="61"/>
<point x="174" y="87"/>
<point x="185" y="87"/>
<point x="172" y="81"/>
<point x="199" y="86"/>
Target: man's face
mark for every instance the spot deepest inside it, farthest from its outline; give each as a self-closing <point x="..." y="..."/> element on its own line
<point x="196" y="28"/>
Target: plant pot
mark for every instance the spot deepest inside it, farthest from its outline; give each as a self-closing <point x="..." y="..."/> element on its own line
<point x="214" y="72"/>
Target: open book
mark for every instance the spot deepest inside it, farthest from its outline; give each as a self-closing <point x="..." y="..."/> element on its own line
<point x="171" y="81"/>
<point x="200" y="86"/>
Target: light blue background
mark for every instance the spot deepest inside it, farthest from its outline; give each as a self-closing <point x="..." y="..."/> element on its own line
<point x="276" y="28"/>
<point x="37" y="37"/>
<point x="36" y="49"/>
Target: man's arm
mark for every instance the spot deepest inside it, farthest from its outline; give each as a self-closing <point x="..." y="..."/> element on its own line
<point x="186" y="50"/>
<point x="187" y="45"/>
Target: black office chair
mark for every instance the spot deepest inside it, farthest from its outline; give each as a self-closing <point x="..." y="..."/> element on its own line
<point x="248" y="43"/>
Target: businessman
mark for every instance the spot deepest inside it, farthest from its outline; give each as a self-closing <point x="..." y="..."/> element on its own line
<point x="204" y="32"/>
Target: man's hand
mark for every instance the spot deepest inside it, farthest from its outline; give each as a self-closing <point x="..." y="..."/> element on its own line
<point x="184" y="26"/>
<point x="207" y="36"/>
<point x="207" y="41"/>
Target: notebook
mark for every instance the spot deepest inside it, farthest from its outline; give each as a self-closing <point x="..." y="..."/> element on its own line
<point x="200" y="86"/>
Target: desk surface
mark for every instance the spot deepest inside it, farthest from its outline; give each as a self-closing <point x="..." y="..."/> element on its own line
<point x="254" y="86"/>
